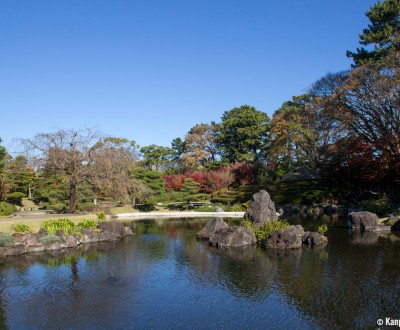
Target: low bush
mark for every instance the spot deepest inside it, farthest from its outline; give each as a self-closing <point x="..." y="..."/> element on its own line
<point x="146" y="207"/>
<point x="85" y="206"/>
<point x="56" y="207"/>
<point x="19" y="228"/>
<point x="6" y="240"/>
<point x="322" y="229"/>
<point x="263" y="231"/>
<point x="6" y="209"/>
<point x="15" y="198"/>
<point x="268" y="227"/>
<point x="61" y="224"/>
<point x="234" y="208"/>
<point x="381" y="206"/>
<point x="101" y="215"/>
<point x="87" y="224"/>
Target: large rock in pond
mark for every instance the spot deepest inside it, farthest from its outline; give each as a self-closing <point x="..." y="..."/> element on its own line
<point x="116" y="227"/>
<point x="363" y="220"/>
<point x="234" y="236"/>
<point x="261" y="209"/>
<point x="314" y="238"/>
<point x="211" y="227"/>
<point x="285" y="239"/>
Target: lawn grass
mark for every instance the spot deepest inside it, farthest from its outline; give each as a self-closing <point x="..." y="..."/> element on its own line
<point x="35" y="223"/>
<point x="27" y="204"/>
<point x="123" y="209"/>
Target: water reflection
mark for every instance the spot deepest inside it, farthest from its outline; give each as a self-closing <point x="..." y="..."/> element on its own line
<point x="164" y="278"/>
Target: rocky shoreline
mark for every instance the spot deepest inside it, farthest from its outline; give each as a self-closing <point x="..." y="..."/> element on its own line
<point x="43" y="241"/>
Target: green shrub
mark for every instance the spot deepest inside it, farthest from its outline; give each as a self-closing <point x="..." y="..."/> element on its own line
<point x="234" y="208"/>
<point x="380" y="206"/>
<point x="7" y="209"/>
<point x="61" y="224"/>
<point x="6" y="240"/>
<point x="268" y="227"/>
<point x="322" y="229"/>
<point x="50" y="239"/>
<point x="85" y="206"/>
<point x="56" y="207"/>
<point x="246" y="223"/>
<point x="15" y="198"/>
<point x="19" y="228"/>
<point x="146" y="207"/>
<point x="87" y="224"/>
<point x="101" y="215"/>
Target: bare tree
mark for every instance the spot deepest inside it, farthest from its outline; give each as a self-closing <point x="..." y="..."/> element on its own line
<point x="65" y="151"/>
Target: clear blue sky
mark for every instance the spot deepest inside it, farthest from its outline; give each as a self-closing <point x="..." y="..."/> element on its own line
<point x="150" y="70"/>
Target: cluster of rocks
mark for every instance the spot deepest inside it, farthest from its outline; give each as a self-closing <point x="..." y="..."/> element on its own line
<point x="293" y="237"/>
<point x="36" y="242"/>
<point x="220" y="234"/>
<point x="261" y="210"/>
<point x="367" y="221"/>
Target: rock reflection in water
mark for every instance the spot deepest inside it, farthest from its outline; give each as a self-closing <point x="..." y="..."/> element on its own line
<point x="364" y="237"/>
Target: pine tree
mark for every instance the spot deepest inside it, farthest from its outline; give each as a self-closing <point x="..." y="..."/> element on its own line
<point x="383" y="33"/>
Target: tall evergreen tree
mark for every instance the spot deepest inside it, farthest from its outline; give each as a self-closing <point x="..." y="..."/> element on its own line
<point x="383" y="33"/>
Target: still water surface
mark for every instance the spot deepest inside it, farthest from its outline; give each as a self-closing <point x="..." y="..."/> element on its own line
<point x="163" y="278"/>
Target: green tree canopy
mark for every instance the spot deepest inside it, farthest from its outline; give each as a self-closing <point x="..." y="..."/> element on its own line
<point x="243" y="134"/>
<point x="156" y="157"/>
<point x="383" y="33"/>
<point x="190" y="190"/>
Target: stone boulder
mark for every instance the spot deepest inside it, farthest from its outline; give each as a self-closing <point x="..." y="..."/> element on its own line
<point x="12" y="250"/>
<point x="26" y="239"/>
<point x="115" y="227"/>
<point x="72" y="240"/>
<point x="286" y="239"/>
<point x="234" y="236"/>
<point x="128" y="231"/>
<point x="211" y="227"/>
<point x="56" y="246"/>
<point x="314" y="238"/>
<point x="89" y="236"/>
<point x="363" y="220"/>
<point x="107" y="235"/>
<point x="35" y="248"/>
<point x="261" y="209"/>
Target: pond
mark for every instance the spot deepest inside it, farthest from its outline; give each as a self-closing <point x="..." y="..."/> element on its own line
<point x="162" y="278"/>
